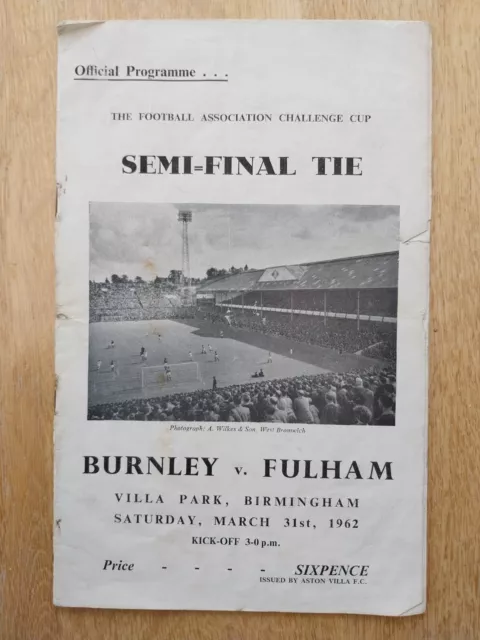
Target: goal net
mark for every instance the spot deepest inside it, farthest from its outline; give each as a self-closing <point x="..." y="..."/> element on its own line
<point x="179" y="373"/>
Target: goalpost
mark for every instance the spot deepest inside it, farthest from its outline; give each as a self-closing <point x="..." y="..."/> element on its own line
<point x="156" y="376"/>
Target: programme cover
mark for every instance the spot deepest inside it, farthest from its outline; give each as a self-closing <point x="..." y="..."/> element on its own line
<point x="242" y="307"/>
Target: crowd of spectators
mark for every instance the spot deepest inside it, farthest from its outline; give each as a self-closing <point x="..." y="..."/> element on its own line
<point x="370" y="302"/>
<point x="385" y="350"/>
<point x="130" y="301"/>
<point x="360" y="397"/>
<point x="341" y="335"/>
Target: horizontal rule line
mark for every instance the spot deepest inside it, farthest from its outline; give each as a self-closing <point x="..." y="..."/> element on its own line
<point x="151" y="80"/>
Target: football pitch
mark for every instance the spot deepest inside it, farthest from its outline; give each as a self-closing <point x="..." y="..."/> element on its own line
<point x="162" y="339"/>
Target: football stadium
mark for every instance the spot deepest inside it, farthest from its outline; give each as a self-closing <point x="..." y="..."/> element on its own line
<point x="296" y="343"/>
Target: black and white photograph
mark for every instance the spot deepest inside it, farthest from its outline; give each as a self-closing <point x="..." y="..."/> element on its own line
<point x="243" y="313"/>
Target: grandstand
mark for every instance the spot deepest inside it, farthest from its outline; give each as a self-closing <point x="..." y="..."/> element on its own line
<point x="349" y="303"/>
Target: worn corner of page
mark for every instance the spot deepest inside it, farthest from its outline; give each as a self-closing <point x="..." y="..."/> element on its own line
<point x="69" y="26"/>
<point x="416" y="610"/>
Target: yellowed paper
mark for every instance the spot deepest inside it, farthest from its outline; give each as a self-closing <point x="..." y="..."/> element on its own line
<point x="242" y="299"/>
